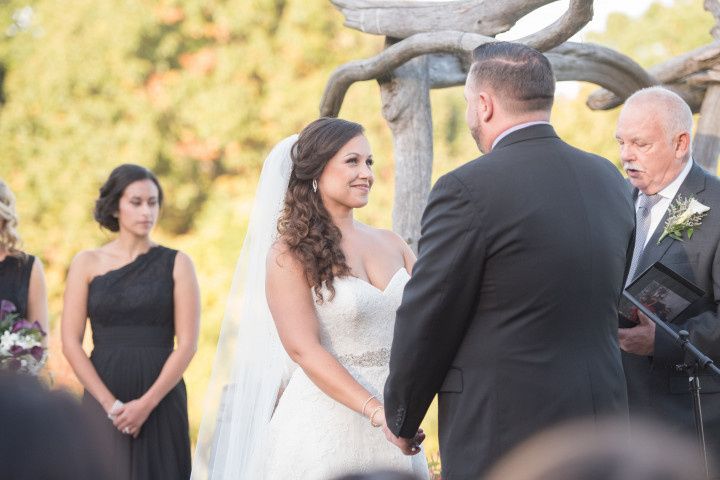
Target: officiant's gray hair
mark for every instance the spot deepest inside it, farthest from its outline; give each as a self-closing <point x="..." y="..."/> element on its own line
<point x="520" y="75"/>
<point x="674" y="112"/>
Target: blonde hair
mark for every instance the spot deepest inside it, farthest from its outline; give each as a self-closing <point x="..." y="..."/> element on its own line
<point x="9" y="237"/>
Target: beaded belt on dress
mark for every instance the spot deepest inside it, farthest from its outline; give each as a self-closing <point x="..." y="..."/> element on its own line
<point x="375" y="358"/>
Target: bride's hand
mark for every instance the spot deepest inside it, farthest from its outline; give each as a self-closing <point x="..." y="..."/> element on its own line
<point x="377" y="417"/>
<point x="409" y="446"/>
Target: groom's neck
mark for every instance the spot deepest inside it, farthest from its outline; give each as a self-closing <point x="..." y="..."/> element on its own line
<point x="505" y="122"/>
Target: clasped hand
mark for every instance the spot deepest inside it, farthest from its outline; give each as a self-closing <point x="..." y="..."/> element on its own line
<point x="130" y="417"/>
<point x="409" y="446"/>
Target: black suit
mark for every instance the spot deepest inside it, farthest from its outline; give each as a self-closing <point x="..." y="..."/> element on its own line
<point x="511" y="312"/>
<point x="655" y="388"/>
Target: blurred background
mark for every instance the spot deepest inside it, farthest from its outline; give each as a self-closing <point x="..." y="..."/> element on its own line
<point x="198" y="91"/>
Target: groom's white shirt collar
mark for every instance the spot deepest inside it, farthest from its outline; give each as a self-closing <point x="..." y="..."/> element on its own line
<point x="515" y="128"/>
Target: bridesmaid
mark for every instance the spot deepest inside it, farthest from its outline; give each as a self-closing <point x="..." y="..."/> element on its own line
<point x="22" y="280"/>
<point x="139" y="297"/>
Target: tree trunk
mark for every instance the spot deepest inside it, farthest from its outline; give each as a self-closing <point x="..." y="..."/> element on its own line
<point x="706" y="146"/>
<point x="406" y="109"/>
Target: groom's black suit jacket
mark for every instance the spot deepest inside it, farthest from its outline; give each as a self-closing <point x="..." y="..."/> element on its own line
<point x="511" y="312"/>
<point x="655" y="387"/>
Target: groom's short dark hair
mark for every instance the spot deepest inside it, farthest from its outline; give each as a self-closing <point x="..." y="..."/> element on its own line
<point x="521" y="75"/>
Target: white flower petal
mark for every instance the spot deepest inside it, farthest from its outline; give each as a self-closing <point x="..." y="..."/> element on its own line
<point x="697" y="207"/>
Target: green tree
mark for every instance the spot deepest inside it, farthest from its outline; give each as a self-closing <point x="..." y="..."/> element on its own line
<point x="198" y="91"/>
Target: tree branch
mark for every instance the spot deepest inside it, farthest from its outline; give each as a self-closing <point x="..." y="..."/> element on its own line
<point x="599" y="65"/>
<point x="390" y="58"/>
<point x="571" y="61"/>
<point x="401" y="19"/>
<point x="704" y="79"/>
<point x="671" y="73"/>
<point x="447" y="70"/>
<point x="706" y="145"/>
<point x="713" y="6"/>
<point x="577" y="15"/>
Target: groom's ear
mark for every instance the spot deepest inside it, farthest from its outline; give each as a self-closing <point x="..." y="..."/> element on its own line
<point x="486" y="107"/>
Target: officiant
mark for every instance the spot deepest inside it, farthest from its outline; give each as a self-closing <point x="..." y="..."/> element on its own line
<point x="677" y="207"/>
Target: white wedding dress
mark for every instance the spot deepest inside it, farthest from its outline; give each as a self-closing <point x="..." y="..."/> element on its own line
<point x="312" y="437"/>
<point x="246" y="432"/>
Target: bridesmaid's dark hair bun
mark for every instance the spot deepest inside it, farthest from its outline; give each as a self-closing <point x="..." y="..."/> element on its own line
<point x="107" y="204"/>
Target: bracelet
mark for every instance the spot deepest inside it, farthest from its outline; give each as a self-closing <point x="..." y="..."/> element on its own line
<point x="372" y="416"/>
<point x="115" y="406"/>
<point x="366" y="404"/>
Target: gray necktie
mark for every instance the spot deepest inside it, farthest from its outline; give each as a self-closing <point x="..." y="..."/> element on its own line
<point x="642" y="229"/>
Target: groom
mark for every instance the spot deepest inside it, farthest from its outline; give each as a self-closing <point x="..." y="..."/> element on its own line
<point x="511" y="312"/>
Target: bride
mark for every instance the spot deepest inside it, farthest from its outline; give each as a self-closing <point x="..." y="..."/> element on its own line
<point x="314" y="289"/>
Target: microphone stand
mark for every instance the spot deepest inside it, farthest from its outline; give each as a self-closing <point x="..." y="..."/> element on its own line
<point x="698" y="362"/>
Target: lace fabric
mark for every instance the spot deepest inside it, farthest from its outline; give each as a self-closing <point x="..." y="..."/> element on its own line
<point x="314" y="437"/>
<point x="246" y="431"/>
<point x="139" y="293"/>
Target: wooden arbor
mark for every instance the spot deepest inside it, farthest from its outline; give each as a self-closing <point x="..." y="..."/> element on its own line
<point x="428" y="45"/>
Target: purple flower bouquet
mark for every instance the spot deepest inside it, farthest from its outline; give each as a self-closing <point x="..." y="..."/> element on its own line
<point x="21" y="348"/>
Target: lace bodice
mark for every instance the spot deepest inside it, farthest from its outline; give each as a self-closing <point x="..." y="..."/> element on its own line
<point x="139" y="293"/>
<point x="357" y="328"/>
<point x="357" y="325"/>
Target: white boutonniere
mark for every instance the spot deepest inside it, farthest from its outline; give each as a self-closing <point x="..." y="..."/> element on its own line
<point x="684" y="215"/>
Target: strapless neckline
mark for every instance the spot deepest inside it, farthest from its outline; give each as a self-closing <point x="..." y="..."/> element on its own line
<point x="356" y="327"/>
<point x="373" y="287"/>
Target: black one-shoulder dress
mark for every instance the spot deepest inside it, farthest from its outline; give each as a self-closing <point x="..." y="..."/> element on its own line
<point x="131" y="314"/>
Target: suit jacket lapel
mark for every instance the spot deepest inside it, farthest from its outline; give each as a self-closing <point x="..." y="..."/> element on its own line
<point x="694" y="183"/>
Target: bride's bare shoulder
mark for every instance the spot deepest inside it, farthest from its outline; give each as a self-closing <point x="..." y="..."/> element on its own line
<point x="281" y="257"/>
<point x="284" y="271"/>
<point x="383" y="237"/>
<point x="389" y="244"/>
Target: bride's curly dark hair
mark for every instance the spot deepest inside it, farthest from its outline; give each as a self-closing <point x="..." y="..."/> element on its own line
<point x="305" y="226"/>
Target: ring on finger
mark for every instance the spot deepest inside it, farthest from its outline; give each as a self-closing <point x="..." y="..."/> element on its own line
<point x="126" y="430"/>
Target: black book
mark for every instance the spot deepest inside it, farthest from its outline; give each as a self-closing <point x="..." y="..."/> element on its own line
<point x="663" y="291"/>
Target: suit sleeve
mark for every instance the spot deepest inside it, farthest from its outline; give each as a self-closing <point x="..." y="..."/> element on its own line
<point x="704" y="328"/>
<point x="437" y="305"/>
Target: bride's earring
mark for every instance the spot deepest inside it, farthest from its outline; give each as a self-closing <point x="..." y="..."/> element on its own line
<point x="314" y="184"/>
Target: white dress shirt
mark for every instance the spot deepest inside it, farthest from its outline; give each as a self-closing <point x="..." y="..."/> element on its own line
<point x="515" y="128"/>
<point x="667" y="194"/>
